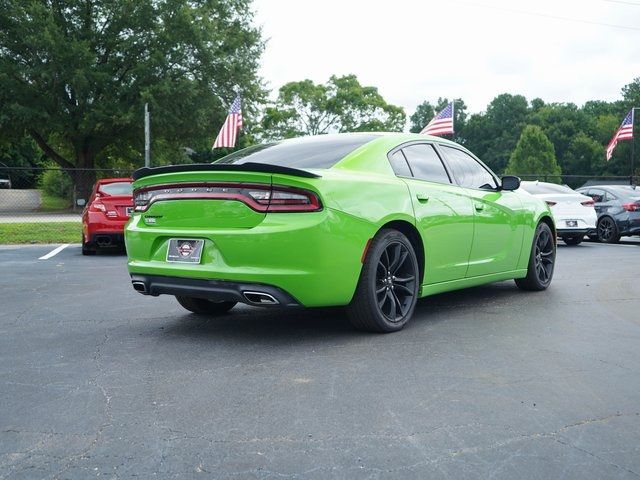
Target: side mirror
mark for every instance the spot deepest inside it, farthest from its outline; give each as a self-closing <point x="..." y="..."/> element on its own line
<point x="509" y="182"/>
<point x="81" y="202"/>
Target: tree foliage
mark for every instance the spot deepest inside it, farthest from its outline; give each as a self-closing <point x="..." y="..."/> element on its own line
<point x="340" y="105"/>
<point x="534" y="153"/>
<point x="74" y="75"/>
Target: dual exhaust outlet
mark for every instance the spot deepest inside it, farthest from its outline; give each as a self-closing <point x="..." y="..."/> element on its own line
<point x="252" y="297"/>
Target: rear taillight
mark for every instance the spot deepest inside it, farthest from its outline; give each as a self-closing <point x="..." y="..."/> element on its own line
<point x="261" y="198"/>
<point x="588" y="203"/>
<point x="631" y="207"/>
<point x="550" y="203"/>
<point x="97" y="206"/>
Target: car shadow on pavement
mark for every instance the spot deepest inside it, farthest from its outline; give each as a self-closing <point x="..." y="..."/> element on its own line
<point x="274" y="326"/>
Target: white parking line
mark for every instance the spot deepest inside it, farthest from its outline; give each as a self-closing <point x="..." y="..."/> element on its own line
<point x="54" y="252"/>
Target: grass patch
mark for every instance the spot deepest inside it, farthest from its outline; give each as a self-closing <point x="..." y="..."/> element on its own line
<point x="49" y="203"/>
<point x="40" y="232"/>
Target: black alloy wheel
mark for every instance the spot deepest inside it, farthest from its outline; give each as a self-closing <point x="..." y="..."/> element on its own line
<point x="545" y="257"/>
<point x="387" y="291"/>
<point x="541" y="260"/>
<point x="395" y="282"/>
<point x="608" y="230"/>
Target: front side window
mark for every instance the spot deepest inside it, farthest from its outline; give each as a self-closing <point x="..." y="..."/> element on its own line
<point x="467" y="170"/>
<point x="597" y="195"/>
<point x="425" y="163"/>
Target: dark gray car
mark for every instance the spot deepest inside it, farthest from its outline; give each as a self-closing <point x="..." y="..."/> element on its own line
<point x="618" y="209"/>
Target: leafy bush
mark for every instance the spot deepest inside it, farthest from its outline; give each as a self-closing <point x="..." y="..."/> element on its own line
<point x="56" y="183"/>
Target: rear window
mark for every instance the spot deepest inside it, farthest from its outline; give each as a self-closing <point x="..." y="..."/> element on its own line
<point x="322" y="151"/>
<point x="544" y="188"/>
<point x="626" y="191"/>
<point x="116" y="188"/>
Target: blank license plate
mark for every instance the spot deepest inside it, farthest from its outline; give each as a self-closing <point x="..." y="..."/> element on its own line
<point x="184" y="250"/>
<point x="572" y="223"/>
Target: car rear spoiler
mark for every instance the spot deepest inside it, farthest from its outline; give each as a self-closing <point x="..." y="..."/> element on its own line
<point x="226" y="167"/>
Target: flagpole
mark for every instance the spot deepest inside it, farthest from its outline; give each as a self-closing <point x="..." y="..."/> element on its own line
<point x="633" y="144"/>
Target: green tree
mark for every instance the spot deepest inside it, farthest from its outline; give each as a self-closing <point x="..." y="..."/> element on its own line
<point x="340" y="105"/>
<point x="534" y="154"/>
<point x="584" y="156"/>
<point x="493" y="135"/>
<point x="75" y="75"/>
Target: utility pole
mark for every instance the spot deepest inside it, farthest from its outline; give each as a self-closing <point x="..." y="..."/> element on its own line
<point x="147" y="136"/>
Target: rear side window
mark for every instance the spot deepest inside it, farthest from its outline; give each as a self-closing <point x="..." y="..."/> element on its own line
<point x="399" y="164"/>
<point x="116" y="188"/>
<point x="322" y="151"/>
<point x="467" y="170"/>
<point x="425" y="163"/>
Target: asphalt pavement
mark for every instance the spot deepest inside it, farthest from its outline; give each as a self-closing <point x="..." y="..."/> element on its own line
<point x="491" y="382"/>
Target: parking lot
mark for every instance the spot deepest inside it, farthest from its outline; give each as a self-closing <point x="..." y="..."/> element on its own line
<point x="97" y="380"/>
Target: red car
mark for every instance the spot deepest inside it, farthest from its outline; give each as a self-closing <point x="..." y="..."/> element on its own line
<point x="106" y="213"/>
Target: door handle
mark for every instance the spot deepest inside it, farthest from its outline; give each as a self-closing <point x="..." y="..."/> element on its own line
<point x="479" y="207"/>
<point x="422" y="197"/>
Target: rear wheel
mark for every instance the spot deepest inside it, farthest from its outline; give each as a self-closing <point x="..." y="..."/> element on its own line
<point x="573" y="240"/>
<point x="88" y="248"/>
<point x="608" y="230"/>
<point x="203" y="306"/>
<point x="387" y="291"/>
<point x="541" y="260"/>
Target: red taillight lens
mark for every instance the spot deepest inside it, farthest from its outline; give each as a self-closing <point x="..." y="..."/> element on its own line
<point x="550" y="203"/>
<point x="99" y="207"/>
<point x="588" y="203"/>
<point x="631" y="207"/>
<point x="261" y="198"/>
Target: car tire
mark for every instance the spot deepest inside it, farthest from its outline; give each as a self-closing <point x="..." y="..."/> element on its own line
<point x="608" y="230"/>
<point x="387" y="291"/>
<point x="88" y="248"/>
<point x="542" y="260"/>
<point x="573" y="240"/>
<point x="202" y="306"/>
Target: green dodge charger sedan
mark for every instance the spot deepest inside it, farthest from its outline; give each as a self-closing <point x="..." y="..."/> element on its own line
<point x="372" y="221"/>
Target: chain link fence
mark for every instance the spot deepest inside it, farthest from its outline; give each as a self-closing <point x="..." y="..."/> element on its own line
<point x="44" y="205"/>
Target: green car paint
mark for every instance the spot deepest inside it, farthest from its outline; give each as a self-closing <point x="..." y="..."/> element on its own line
<point x="466" y="236"/>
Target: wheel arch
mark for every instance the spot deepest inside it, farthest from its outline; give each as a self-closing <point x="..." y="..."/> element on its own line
<point x="549" y="221"/>
<point x="411" y="232"/>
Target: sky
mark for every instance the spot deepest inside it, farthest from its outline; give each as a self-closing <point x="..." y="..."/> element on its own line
<point x="474" y="50"/>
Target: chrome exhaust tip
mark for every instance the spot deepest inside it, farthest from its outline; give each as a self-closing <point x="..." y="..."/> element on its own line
<point x="260" y="298"/>
<point x="139" y="287"/>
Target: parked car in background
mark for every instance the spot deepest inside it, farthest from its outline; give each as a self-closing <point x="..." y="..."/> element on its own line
<point x="574" y="213"/>
<point x="618" y="209"/>
<point x="106" y="213"/>
<point x="372" y="221"/>
<point x="5" y="181"/>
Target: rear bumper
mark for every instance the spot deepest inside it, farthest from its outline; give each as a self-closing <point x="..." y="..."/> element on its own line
<point x="312" y="257"/>
<point x="218" y="290"/>
<point x="574" y="231"/>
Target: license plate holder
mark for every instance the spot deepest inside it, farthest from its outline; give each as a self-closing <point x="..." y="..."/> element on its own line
<point x="571" y="223"/>
<point x="184" y="250"/>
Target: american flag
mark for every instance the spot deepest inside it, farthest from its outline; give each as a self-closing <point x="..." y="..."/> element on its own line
<point x="625" y="132"/>
<point x="229" y="130"/>
<point x="442" y="123"/>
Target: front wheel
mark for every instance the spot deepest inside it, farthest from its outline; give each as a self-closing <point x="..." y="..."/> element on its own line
<point x="541" y="260"/>
<point x="203" y="306"/>
<point x="387" y="291"/>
